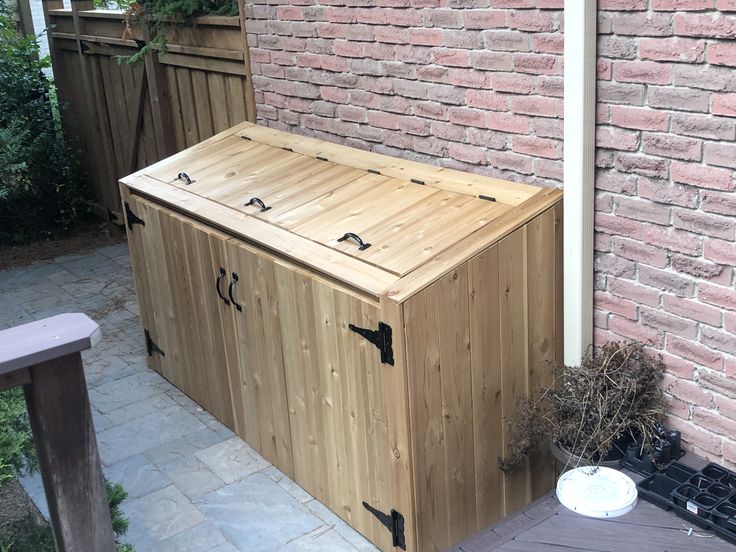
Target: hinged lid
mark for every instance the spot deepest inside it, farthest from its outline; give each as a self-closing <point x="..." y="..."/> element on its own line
<point x="391" y="214"/>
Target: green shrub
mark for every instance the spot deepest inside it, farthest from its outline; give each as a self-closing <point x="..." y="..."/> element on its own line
<point x="17" y="454"/>
<point x="42" y="190"/>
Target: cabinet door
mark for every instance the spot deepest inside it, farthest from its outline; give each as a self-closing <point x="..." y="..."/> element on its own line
<point x="344" y="431"/>
<point x="264" y="415"/>
<point x="177" y="262"/>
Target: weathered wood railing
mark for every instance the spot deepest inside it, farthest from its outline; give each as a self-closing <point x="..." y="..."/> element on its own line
<point x="44" y="357"/>
<point x="126" y="117"/>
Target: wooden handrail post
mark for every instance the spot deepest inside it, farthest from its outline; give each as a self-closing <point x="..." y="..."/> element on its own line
<point x="45" y="357"/>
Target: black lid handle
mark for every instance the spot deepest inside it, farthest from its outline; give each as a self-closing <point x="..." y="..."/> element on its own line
<point x="185" y="177"/>
<point x="361" y="244"/>
<point x="257" y="201"/>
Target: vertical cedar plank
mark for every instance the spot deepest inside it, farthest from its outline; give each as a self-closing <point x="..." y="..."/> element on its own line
<point x="218" y="101"/>
<point x="485" y="352"/>
<point x="202" y="104"/>
<point x="296" y="302"/>
<point x="138" y="267"/>
<point x="541" y="258"/>
<point x="425" y="407"/>
<point x="188" y="107"/>
<point x="393" y="386"/>
<point x="61" y="420"/>
<point x="223" y="330"/>
<point x="451" y="294"/>
<point x="157" y="275"/>
<point x="514" y="353"/>
<point x="177" y="119"/>
<point x="235" y="101"/>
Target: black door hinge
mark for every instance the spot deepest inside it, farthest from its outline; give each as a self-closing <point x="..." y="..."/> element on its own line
<point x="131" y="217"/>
<point x="393" y="521"/>
<point x="151" y="346"/>
<point x="381" y="338"/>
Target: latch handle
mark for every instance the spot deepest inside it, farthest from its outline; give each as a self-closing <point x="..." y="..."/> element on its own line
<point x="259" y="202"/>
<point x="361" y="244"/>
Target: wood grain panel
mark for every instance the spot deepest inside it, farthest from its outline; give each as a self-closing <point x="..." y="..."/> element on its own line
<point x="345" y="432"/>
<point x="513" y="314"/>
<point x="485" y="352"/>
<point x="541" y="284"/>
<point x="266" y="423"/>
<point x="424" y="368"/>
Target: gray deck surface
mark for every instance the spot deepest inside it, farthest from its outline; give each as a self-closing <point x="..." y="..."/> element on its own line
<point x="547" y="526"/>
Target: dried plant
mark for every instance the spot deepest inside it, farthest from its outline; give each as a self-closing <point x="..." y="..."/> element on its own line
<point x="613" y="394"/>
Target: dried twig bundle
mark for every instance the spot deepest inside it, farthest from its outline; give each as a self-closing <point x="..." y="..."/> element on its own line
<point x="613" y="394"/>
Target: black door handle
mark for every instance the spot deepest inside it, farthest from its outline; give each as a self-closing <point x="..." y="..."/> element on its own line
<point x="230" y="290"/>
<point x="220" y="276"/>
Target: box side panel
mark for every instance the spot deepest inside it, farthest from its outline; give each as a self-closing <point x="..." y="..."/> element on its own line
<point x="477" y="340"/>
<point x="440" y="402"/>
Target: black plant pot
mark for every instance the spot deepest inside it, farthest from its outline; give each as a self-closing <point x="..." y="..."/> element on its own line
<point x="567" y="460"/>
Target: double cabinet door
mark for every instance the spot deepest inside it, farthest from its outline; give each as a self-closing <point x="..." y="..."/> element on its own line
<point x="266" y="347"/>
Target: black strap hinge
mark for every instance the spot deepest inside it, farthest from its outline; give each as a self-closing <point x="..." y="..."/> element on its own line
<point x="393" y="521"/>
<point x="381" y="338"/>
<point x="131" y="218"/>
<point x="151" y="346"/>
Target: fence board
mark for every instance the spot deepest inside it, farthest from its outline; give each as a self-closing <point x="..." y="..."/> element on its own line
<point x="121" y="123"/>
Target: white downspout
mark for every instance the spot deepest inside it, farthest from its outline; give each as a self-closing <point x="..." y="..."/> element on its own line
<point x="579" y="165"/>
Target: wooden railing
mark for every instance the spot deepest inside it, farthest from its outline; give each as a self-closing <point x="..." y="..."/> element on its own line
<point x="125" y="117"/>
<point x="44" y="357"/>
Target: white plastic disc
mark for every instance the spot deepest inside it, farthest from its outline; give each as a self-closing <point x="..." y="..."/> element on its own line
<point x="597" y="492"/>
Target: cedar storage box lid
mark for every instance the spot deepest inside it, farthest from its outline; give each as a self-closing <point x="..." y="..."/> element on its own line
<point x="465" y="269"/>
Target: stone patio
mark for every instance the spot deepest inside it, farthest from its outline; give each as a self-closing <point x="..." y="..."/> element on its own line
<point x="193" y="485"/>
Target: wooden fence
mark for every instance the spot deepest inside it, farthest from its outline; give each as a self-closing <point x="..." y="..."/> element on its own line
<point x="125" y="117"/>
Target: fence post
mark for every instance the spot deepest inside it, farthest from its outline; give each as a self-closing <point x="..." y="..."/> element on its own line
<point x="250" y="102"/>
<point x="26" y="17"/>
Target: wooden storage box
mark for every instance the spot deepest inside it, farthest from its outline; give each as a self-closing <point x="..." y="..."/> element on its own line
<point x="378" y="377"/>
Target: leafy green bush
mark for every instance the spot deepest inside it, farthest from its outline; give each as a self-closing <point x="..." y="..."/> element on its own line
<point x="42" y="190"/>
<point x="17" y="454"/>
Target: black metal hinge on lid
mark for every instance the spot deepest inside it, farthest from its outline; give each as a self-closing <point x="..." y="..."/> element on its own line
<point x="151" y="346"/>
<point x="381" y="338"/>
<point x="131" y="218"/>
<point x="393" y="521"/>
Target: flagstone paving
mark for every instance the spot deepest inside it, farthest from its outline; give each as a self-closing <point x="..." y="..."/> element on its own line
<point x="193" y="485"/>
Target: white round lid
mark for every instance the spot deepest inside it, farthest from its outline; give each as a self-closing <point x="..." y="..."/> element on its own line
<point x="597" y="492"/>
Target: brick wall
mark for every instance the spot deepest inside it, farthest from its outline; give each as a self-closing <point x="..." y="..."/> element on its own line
<point x="476" y="84"/>
<point x="451" y="82"/>
<point x="665" y="203"/>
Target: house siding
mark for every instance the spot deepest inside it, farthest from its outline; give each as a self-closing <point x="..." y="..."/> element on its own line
<point x="477" y="85"/>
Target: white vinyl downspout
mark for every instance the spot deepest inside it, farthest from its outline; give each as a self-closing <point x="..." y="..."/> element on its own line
<point x="579" y="179"/>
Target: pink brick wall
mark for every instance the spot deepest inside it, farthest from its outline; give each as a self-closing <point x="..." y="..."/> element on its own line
<point x="451" y="82"/>
<point x="665" y="201"/>
<point x="477" y="85"/>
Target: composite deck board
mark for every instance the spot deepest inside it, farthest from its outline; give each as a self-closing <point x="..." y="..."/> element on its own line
<point x="549" y="526"/>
